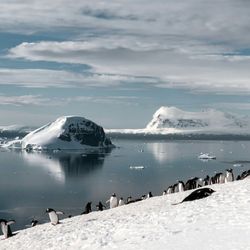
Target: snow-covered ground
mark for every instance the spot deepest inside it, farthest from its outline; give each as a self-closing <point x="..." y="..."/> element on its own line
<point x="221" y="221"/>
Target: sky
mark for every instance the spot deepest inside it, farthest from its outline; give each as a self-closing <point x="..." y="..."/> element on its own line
<point x="117" y="62"/>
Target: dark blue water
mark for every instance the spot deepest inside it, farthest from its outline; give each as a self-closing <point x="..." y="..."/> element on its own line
<point x="31" y="182"/>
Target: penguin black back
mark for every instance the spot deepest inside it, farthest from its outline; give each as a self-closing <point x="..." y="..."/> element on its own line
<point x="34" y="222"/>
<point x="87" y="208"/>
<point x="198" y="194"/>
<point x="100" y="206"/>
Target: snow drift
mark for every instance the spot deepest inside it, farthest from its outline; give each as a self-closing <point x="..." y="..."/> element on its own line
<point x="67" y="132"/>
<point x="219" y="222"/>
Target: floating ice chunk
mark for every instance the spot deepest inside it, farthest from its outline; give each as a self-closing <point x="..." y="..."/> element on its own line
<point x="236" y="165"/>
<point x="136" y="167"/>
<point x="206" y="156"/>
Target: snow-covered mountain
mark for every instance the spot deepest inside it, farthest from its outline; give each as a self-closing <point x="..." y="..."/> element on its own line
<point x="174" y="118"/>
<point x="14" y="131"/>
<point x="67" y="132"/>
<point x="177" y="123"/>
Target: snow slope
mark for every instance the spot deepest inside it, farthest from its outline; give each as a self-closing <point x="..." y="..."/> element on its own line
<point x="220" y="221"/>
<point x="67" y="132"/>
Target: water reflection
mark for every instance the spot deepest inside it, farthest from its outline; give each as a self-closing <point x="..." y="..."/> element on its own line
<point x="61" y="165"/>
<point x="163" y="151"/>
<point x="47" y="163"/>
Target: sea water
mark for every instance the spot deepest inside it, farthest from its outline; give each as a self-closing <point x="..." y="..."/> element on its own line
<point x="30" y="182"/>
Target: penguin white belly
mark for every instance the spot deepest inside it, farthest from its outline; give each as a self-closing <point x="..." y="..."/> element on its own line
<point x="113" y="202"/>
<point x="180" y="187"/>
<point x="121" y="203"/>
<point x="53" y="218"/>
<point x="4" y="230"/>
<point x="229" y="177"/>
<point x="222" y="179"/>
<point x="169" y="191"/>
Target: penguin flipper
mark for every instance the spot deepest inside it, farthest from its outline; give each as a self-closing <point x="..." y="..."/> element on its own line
<point x="10" y="222"/>
<point x="176" y="203"/>
<point x="59" y="212"/>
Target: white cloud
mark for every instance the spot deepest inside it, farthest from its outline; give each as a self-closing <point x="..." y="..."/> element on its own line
<point x="195" y="45"/>
<point x="39" y="100"/>
<point x="171" y="67"/>
<point x="115" y="100"/>
<point x="217" y="20"/>
<point x="44" y="78"/>
<point x="23" y="100"/>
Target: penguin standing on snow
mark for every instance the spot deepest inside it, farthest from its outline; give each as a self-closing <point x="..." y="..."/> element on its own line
<point x="149" y="195"/>
<point x="113" y="202"/>
<point x="53" y="215"/>
<point x="87" y="208"/>
<point x="5" y="226"/>
<point x="129" y="199"/>
<point x="121" y="202"/>
<point x="100" y="206"/>
<point x="229" y="175"/>
<point x="34" y="222"/>
<point x="170" y="190"/>
<point x="180" y="186"/>
<point x="206" y="180"/>
<point x="219" y="178"/>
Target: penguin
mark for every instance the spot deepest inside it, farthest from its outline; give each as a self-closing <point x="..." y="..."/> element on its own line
<point x="121" y="202"/>
<point x="100" y="206"/>
<point x="129" y="199"/>
<point x="199" y="183"/>
<point x="5" y="226"/>
<point x="191" y="183"/>
<point x="219" y="178"/>
<point x="198" y="194"/>
<point x="87" y="208"/>
<point x="245" y="174"/>
<point x="34" y="222"/>
<point x="229" y="175"/>
<point x="206" y="181"/>
<point x="170" y="190"/>
<point x="175" y="188"/>
<point x="53" y="215"/>
<point x="180" y="186"/>
<point x="143" y="197"/>
<point x="149" y="195"/>
<point x="238" y="178"/>
<point x="164" y="192"/>
<point x="113" y="202"/>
